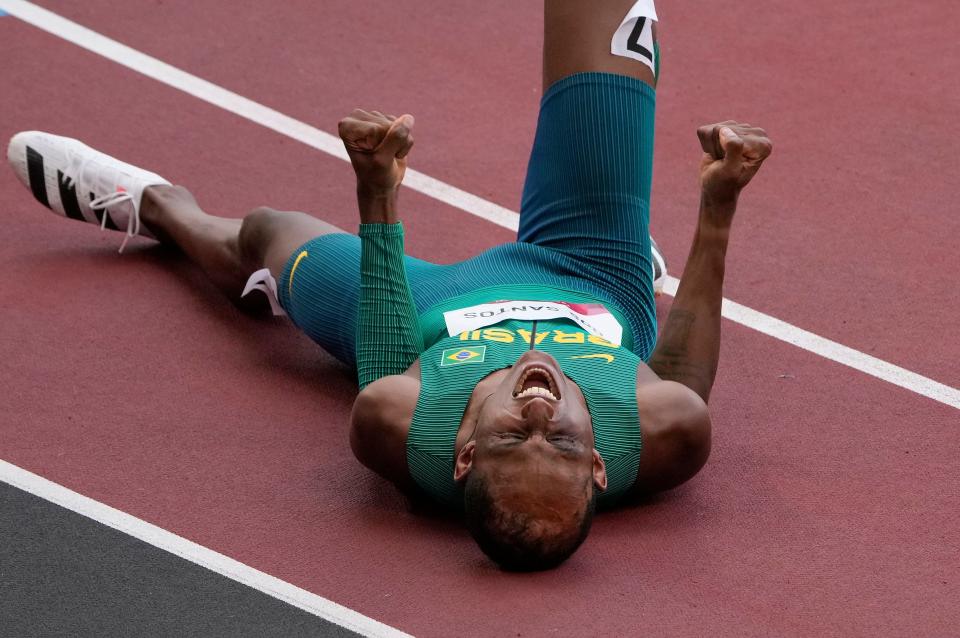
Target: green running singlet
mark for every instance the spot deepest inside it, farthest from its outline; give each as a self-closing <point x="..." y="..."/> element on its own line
<point x="452" y="367"/>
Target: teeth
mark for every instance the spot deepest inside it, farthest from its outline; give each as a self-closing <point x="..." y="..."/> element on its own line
<point x="539" y="392"/>
<point x="536" y="391"/>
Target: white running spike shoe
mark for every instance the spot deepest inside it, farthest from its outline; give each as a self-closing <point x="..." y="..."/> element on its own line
<point x="74" y="180"/>
<point x="659" y="268"/>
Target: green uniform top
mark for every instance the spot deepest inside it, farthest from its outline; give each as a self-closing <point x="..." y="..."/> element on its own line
<point x="391" y="336"/>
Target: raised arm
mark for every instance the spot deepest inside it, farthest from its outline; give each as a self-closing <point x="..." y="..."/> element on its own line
<point x="388" y="335"/>
<point x="689" y="345"/>
<point x="389" y="341"/>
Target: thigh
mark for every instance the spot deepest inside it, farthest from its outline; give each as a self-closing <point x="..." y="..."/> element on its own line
<point x="590" y="168"/>
<point x="587" y="190"/>
<point x="577" y="38"/>
<point x="269" y="237"/>
<point x="319" y="287"/>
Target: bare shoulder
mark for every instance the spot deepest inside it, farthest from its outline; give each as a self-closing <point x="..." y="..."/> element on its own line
<point x="676" y="432"/>
<point x="379" y="424"/>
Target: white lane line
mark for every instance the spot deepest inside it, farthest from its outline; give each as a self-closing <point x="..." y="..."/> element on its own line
<point x="451" y="195"/>
<point x="832" y="350"/>
<point x="239" y="105"/>
<point x="188" y="550"/>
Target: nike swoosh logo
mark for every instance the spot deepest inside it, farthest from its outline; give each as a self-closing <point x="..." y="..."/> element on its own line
<point x="606" y="357"/>
<point x="296" y="263"/>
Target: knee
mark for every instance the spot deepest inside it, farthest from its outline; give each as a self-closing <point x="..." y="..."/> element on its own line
<point x="256" y="232"/>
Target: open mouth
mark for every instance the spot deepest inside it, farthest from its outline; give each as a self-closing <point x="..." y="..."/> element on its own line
<point x="536" y="382"/>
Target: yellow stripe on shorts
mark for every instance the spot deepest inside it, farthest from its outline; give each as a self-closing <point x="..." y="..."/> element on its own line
<point x="293" y="269"/>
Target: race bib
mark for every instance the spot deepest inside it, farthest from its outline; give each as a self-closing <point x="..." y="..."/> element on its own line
<point x="592" y="317"/>
<point x="634" y="37"/>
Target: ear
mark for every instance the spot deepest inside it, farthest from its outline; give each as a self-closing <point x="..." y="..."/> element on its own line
<point x="464" y="462"/>
<point x="599" y="471"/>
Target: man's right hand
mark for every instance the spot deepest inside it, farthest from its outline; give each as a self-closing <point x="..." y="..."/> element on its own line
<point x="732" y="155"/>
<point x="378" y="145"/>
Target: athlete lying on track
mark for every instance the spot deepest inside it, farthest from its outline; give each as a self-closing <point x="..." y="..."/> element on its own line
<point x="535" y="405"/>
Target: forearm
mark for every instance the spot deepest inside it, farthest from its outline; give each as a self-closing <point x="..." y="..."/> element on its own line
<point x="688" y="348"/>
<point x="377" y="206"/>
<point x="388" y="334"/>
<point x="388" y="331"/>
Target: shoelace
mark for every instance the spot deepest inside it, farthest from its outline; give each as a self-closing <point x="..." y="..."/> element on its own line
<point x="76" y="166"/>
<point x="111" y="199"/>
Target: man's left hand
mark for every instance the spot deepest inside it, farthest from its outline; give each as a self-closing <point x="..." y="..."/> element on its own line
<point x="732" y="155"/>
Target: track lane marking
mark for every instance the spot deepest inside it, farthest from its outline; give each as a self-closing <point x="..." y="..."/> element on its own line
<point x="446" y="193"/>
<point x="197" y="554"/>
<point x="833" y="351"/>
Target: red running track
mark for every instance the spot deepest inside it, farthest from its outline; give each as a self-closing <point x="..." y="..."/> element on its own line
<point x="830" y="502"/>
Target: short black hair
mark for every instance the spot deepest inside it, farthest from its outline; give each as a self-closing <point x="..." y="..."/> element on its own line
<point x="509" y="539"/>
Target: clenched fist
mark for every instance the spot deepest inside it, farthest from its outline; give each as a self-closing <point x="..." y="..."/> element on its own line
<point x="732" y="155"/>
<point x="378" y="145"/>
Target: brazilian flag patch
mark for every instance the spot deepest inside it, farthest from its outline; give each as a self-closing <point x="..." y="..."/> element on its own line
<point x="460" y="356"/>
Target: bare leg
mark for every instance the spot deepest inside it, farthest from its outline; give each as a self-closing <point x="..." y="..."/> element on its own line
<point x="577" y="39"/>
<point x="228" y="250"/>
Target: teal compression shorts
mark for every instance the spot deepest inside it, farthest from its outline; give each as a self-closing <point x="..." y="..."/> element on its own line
<point x="584" y="223"/>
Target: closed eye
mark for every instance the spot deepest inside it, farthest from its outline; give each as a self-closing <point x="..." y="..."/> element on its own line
<point x="565" y="443"/>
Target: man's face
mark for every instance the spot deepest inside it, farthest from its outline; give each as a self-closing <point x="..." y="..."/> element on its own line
<point x="533" y="440"/>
